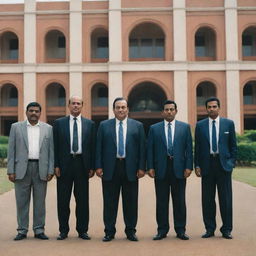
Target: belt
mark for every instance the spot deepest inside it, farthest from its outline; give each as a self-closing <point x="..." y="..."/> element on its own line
<point x="33" y="160"/>
<point x="75" y="155"/>
<point x="120" y="159"/>
<point x="214" y="155"/>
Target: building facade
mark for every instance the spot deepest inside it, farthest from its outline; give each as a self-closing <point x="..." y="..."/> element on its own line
<point x="146" y="51"/>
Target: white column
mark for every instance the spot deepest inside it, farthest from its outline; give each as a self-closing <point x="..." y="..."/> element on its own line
<point x="232" y="74"/>
<point x="29" y="78"/>
<point x="115" y="53"/>
<point x="115" y="31"/>
<point x="181" y="94"/>
<point x="180" y="54"/>
<point x="75" y="35"/>
<point x="115" y="89"/>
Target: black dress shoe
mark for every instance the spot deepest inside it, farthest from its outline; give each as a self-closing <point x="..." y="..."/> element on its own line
<point x="227" y="235"/>
<point x="20" y="237"/>
<point x="159" y="236"/>
<point x="208" y="234"/>
<point x="132" y="237"/>
<point x="107" y="238"/>
<point x="84" y="236"/>
<point x="41" y="236"/>
<point x="62" y="236"/>
<point x="182" y="236"/>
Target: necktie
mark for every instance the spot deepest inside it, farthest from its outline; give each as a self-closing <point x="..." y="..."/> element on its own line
<point x="75" y="136"/>
<point x="214" y="139"/>
<point x="121" y="140"/>
<point x="170" y="147"/>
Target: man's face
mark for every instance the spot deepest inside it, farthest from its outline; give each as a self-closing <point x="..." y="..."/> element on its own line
<point x="169" y="112"/>
<point x="121" y="110"/>
<point x="33" y="114"/>
<point x="213" y="109"/>
<point x="75" y="106"/>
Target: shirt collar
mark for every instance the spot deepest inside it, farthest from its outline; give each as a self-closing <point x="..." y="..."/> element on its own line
<point x="217" y="119"/>
<point x="78" y="118"/>
<point x="166" y="122"/>
<point x="123" y="121"/>
<point x="29" y="124"/>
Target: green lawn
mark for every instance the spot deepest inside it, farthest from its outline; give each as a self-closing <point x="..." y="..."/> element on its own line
<point x="5" y="184"/>
<point x="246" y="175"/>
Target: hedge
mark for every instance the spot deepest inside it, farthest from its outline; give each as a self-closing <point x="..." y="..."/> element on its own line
<point x="246" y="154"/>
<point x="3" y="140"/>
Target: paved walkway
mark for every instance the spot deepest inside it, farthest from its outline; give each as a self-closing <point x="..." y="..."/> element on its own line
<point x="243" y="244"/>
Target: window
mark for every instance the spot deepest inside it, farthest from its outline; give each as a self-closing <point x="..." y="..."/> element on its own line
<point x="249" y="42"/>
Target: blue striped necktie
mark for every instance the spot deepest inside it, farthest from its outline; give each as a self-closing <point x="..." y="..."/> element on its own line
<point x="121" y="140"/>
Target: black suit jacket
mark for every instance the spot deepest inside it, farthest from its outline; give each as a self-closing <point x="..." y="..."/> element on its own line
<point x="61" y="135"/>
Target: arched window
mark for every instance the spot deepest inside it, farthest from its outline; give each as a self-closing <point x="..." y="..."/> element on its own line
<point x="9" y="47"/>
<point x="249" y="42"/>
<point x="204" y="91"/>
<point x="147" y="41"/>
<point x="205" y="44"/>
<point x="9" y="96"/>
<point x="99" y="95"/>
<point x="55" y="46"/>
<point x="99" y="45"/>
<point x="55" y="95"/>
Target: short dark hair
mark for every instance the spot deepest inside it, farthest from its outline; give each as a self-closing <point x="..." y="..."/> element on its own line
<point x="169" y="102"/>
<point x="34" y="104"/>
<point x="118" y="99"/>
<point x="212" y="99"/>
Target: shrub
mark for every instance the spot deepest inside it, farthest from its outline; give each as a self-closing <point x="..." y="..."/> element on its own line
<point x="3" y="140"/>
<point x="246" y="153"/>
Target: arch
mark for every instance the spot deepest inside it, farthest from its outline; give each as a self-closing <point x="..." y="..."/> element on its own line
<point x="146" y="97"/>
<point x="9" y="46"/>
<point x="55" y="95"/>
<point x="204" y="90"/>
<point x="55" y="45"/>
<point x="9" y="95"/>
<point x="99" y="43"/>
<point x="205" y="41"/>
<point x="99" y="95"/>
<point x="147" y="40"/>
<point x="249" y="41"/>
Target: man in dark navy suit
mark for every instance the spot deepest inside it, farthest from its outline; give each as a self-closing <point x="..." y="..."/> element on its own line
<point x="215" y="156"/>
<point x="170" y="162"/>
<point x="120" y="162"/>
<point x="74" y="153"/>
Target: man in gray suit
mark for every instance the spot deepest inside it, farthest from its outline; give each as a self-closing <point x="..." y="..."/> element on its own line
<point x="30" y="166"/>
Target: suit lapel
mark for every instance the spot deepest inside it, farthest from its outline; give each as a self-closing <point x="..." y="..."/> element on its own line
<point x="113" y="129"/>
<point x="128" y="132"/>
<point x="25" y="132"/>
<point x="176" y="132"/>
<point x="221" y="129"/>
<point x="162" y="132"/>
<point x="84" y="130"/>
<point x="206" y="129"/>
<point x="67" y="129"/>
<point x="41" y="134"/>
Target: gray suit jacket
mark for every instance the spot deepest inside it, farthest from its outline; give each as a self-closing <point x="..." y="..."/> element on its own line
<point x="18" y="150"/>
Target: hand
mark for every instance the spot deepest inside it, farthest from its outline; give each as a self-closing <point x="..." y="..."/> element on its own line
<point x="140" y="174"/>
<point x="99" y="172"/>
<point x="91" y="173"/>
<point x="151" y="173"/>
<point x="49" y="177"/>
<point x="187" y="173"/>
<point x="12" y="177"/>
<point x="198" y="171"/>
<point x="57" y="172"/>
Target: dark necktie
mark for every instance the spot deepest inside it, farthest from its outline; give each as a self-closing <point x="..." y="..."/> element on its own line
<point x="121" y="140"/>
<point x="75" y="136"/>
<point x="170" y="147"/>
<point x="214" y="139"/>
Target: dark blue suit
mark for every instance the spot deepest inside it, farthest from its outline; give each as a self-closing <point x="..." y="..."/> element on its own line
<point x="120" y="173"/>
<point x="73" y="171"/>
<point x="216" y="171"/>
<point x="170" y="173"/>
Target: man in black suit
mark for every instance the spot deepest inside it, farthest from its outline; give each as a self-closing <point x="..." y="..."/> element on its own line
<point x="74" y="148"/>
<point x="170" y="162"/>
<point x="120" y="162"/>
<point x="215" y="156"/>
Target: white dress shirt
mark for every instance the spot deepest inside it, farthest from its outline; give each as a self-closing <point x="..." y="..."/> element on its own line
<point x="166" y="130"/>
<point x="33" y="140"/>
<point x="124" y="133"/>
<point x="79" y="131"/>
<point x="217" y="125"/>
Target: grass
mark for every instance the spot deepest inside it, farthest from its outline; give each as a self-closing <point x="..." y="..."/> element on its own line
<point x="5" y="184"/>
<point x="246" y="175"/>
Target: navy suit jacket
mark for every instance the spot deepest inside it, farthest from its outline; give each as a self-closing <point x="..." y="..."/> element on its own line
<point x="61" y="135"/>
<point x="226" y="145"/>
<point x="157" y="149"/>
<point x="106" y="148"/>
